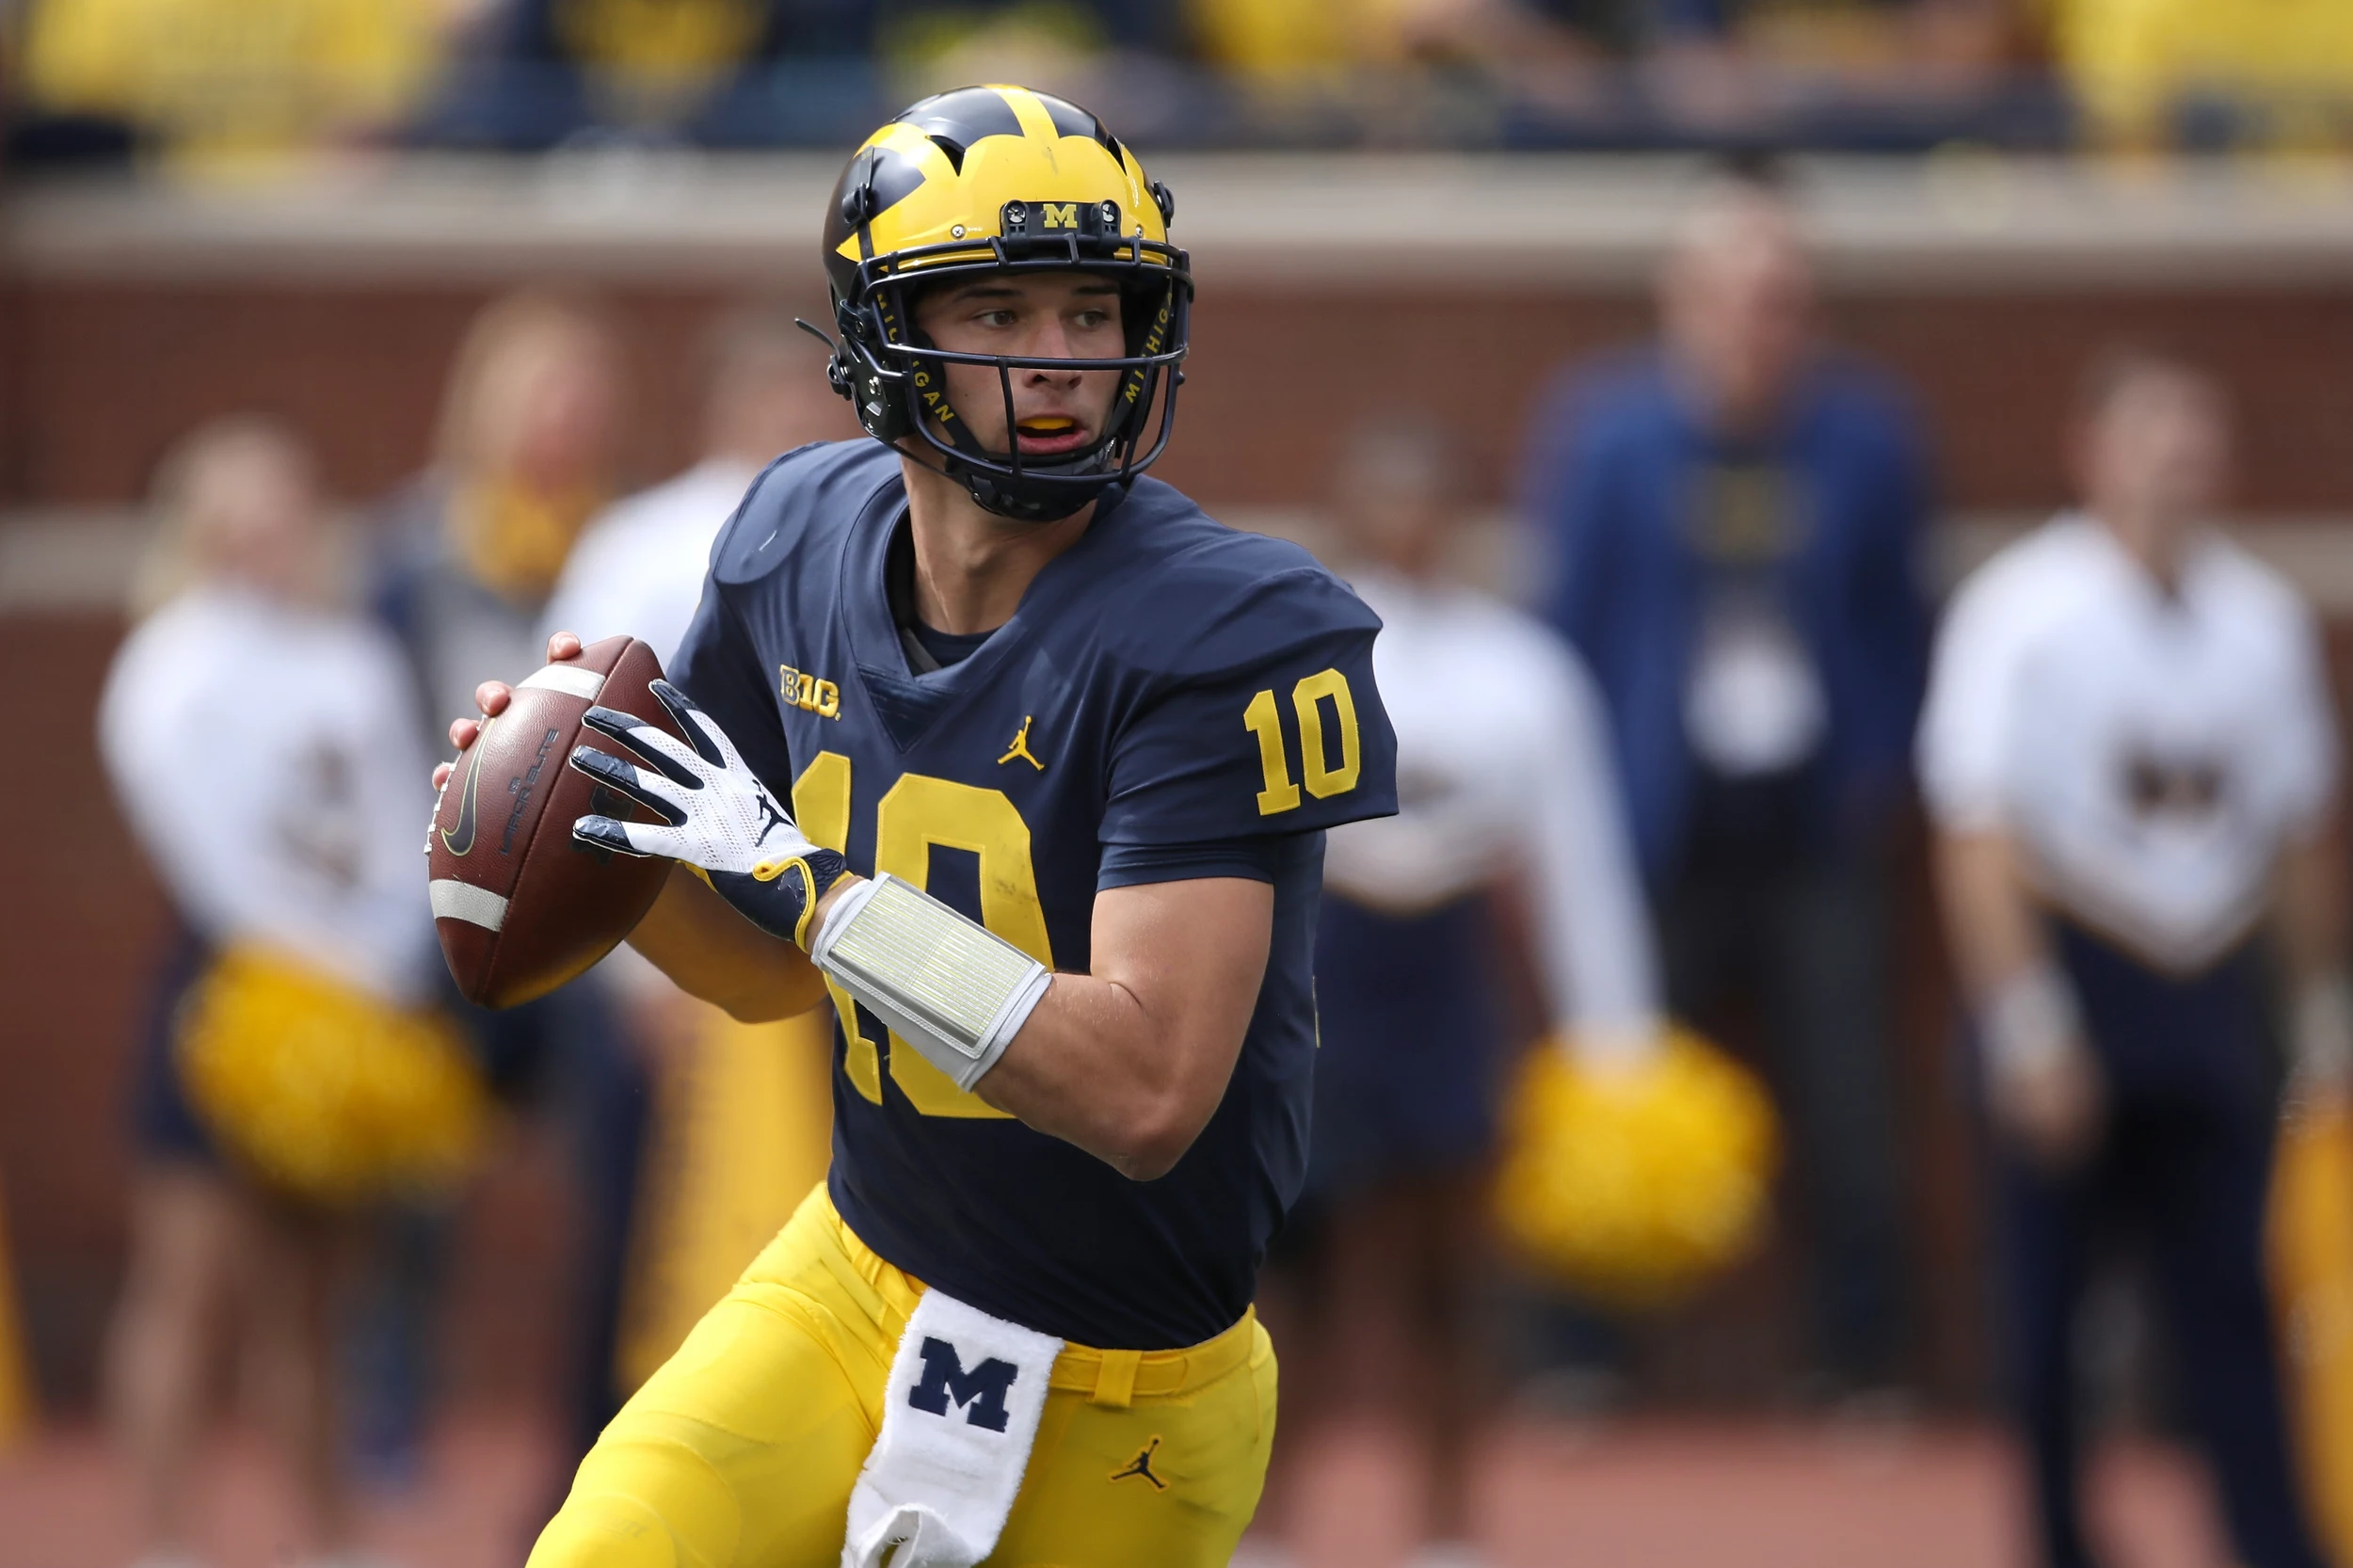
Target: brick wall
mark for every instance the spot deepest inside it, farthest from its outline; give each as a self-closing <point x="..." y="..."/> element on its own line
<point x="96" y="379"/>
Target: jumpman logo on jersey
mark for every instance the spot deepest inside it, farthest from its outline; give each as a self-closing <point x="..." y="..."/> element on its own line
<point x="1141" y="1466"/>
<point x="1020" y="747"/>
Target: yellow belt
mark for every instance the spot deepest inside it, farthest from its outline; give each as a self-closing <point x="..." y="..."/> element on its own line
<point x="1115" y="1378"/>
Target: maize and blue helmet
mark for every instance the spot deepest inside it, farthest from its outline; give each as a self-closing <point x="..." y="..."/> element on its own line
<point x="1004" y="180"/>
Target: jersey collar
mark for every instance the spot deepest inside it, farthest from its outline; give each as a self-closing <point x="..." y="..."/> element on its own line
<point x="910" y="702"/>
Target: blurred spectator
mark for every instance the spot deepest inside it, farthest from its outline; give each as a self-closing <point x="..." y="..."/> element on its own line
<point x="528" y="449"/>
<point x="769" y="70"/>
<point x="1504" y="782"/>
<point x="235" y="78"/>
<point x="2155" y="72"/>
<point x="544" y="69"/>
<point x="639" y="566"/>
<point x="745" y="1110"/>
<point x="1737" y="517"/>
<point x="1290" y="38"/>
<point x="2132" y="760"/>
<point x="1060" y="46"/>
<point x="263" y="747"/>
<point x="1403" y="71"/>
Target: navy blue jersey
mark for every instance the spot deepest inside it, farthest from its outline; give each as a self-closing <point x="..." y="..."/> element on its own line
<point x="1168" y="686"/>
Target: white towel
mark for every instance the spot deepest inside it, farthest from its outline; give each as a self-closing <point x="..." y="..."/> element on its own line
<point x="959" y="1417"/>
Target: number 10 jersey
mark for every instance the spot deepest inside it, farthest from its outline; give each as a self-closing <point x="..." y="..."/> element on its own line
<point x="1171" y="699"/>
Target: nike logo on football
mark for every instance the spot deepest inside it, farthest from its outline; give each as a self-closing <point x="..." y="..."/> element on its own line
<point x="460" y="839"/>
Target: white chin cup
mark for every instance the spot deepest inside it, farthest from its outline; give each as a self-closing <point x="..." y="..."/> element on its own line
<point x="948" y="985"/>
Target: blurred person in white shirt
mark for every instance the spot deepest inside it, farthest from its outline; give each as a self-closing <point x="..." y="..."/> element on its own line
<point x="264" y="745"/>
<point x="1505" y="782"/>
<point x="638" y="566"/>
<point x="2132" y="763"/>
<point x="744" y="1113"/>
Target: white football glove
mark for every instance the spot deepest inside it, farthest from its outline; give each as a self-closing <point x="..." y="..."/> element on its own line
<point x="718" y="816"/>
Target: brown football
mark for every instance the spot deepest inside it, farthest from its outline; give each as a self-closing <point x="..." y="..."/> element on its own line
<point x="521" y="906"/>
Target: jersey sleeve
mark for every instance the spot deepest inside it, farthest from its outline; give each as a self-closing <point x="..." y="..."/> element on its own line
<point x="1268" y="722"/>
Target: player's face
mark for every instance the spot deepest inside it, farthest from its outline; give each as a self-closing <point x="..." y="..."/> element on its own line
<point x="1037" y="316"/>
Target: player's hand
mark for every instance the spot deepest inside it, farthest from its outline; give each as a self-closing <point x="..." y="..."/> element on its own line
<point x="718" y="816"/>
<point x="2054" y="1108"/>
<point x="492" y="697"/>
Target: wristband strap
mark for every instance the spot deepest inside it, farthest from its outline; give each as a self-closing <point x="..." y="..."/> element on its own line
<point x="2320" y="1028"/>
<point x="2031" y="1021"/>
<point x="815" y="872"/>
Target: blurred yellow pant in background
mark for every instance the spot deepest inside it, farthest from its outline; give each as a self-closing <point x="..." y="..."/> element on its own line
<point x="744" y="1129"/>
<point x="2312" y="1277"/>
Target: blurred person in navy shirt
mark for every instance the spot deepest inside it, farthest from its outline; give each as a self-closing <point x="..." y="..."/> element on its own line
<point x="1737" y="516"/>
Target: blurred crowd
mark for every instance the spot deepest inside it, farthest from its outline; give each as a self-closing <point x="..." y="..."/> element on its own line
<point x="224" y="80"/>
<point x="1664" y="800"/>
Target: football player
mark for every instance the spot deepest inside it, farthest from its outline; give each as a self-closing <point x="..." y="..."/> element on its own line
<point x="1025" y="763"/>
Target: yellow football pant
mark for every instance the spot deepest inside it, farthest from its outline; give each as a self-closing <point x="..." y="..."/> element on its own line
<point x="741" y="1450"/>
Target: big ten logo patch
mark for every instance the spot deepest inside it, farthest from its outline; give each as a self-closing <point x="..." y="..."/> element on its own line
<point x="808" y="694"/>
<point x="979" y="1393"/>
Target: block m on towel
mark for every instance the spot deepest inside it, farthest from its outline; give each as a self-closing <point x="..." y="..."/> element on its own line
<point x="979" y="1393"/>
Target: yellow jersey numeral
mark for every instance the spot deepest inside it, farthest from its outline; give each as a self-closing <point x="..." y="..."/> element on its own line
<point x="918" y="813"/>
<point x="1262" y="719"/>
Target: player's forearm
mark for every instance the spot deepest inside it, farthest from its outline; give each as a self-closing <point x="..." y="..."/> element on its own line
<point x="1093" y="1067"/>
<point x="1130" y="1061"/>
<point x="693" y="936"/>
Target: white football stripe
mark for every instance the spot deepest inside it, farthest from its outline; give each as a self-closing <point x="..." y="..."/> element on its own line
<point x="568" y="679"/>
<point x="463" y="901"/>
